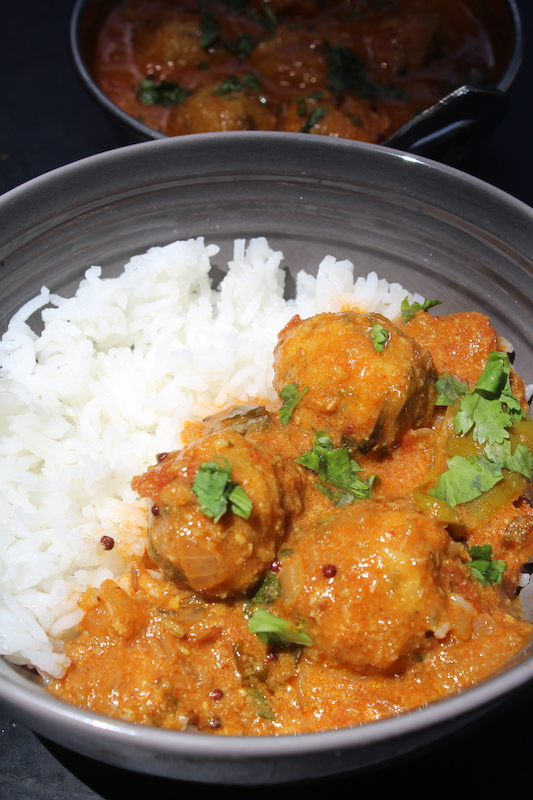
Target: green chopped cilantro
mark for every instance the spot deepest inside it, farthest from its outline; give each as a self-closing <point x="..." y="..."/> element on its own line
<point x="260" y="703"/>
<point x="390" y="90"/>
<point x="346" y="71"/>
<point x="239" y="501"/>
<point x="269" y="590"/>
<point x="354" y="119"/>
<point x="409" y="309"/>
<point x="317" y="113"/>
<point x="161" y="93"/>
<point x="236" y="7"/>
<point x="238" y="84"/>
<point x="208" y="25"/>
<point x="379" y="336"/>
<point x="521" y="460"/>
<point x="334" y="466"/>
<point x="490" y="409"/>
<point x="216" y="491"/>
<point x="291" y="397"/>
<point x="465" y="479"/>
<point x="488" y="412"/>
<point x="449" y="389"/>
<point x="242" y="46"/>
<point x="277" y="632"/>
<point x="301" y="107"/>
<point x="271" y="19"/>
<point x="484" y="568"/>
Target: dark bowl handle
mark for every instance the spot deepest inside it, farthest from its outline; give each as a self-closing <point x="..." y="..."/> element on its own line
<point x="451" y="128"/>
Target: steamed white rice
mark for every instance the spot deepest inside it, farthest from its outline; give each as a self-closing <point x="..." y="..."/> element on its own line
<point x="106" y="385"/>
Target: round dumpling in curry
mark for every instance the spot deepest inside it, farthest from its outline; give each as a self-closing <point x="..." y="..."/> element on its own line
<point x="368" y="382"/>
<point x="218" y="513"/>
<point x="219" y="107"/>
<point x="369" y="581"/>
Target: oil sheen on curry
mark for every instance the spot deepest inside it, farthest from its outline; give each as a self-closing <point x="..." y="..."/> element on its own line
<point x="357" y="69"/>
<point x="346" y="554"/>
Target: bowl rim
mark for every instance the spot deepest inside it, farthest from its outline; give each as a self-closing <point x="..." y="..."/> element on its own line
<point x="130" y="123"/>
<point x="39" y="709"/>
<point x="262" y="143"/>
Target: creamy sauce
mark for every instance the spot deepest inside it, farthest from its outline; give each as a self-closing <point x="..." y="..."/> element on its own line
<point x="381" y="585"/>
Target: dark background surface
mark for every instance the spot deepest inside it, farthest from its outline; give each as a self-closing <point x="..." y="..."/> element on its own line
<point x="46" y="120"/>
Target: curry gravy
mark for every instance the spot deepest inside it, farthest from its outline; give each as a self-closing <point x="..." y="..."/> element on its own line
<point x="392" y="615"/>
<point x="357" y="69"/>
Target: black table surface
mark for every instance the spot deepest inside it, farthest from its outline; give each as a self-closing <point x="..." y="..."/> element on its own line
<point x="46" y="120"/>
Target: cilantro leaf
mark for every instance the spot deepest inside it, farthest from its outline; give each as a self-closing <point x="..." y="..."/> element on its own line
<point x="487" y="418"/>
<point x="260" y="703"/>
<point x="317" y="113"/>
<point x="334" y="466"/>
<point x="291" y="397"/>
<point x="379" y="336"/>
<point x="490" y="408"/>
<point x="331" y="464"/>
<point x="161" y="93"/>
<point x="495" y="376"/>
<point x="275" y="631"/>
<point x="521" y="460"/>
<point x="269" y="590"/>
<point x="489" y="411"/>
<point x="301" y="107"/>
<point x="354" y="119"/>
<point x="465" y="479"/>
<point x="346" y="71"/>
<point x="238" y="84"/>
<point x="449" y="389"/>
<point x="208" y="25"/>
<point x="242" y="46"/>
<point x="216" y="491"/>
<point x="235" y="7"/>
<point x="271" y="21"/>
<point x="239" y="501"/>
<point x="486" y="570"/>
<point x="409" y="309"/>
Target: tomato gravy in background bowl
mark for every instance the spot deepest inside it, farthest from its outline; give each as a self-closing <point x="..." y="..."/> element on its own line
<point x="425" y="77"/>
<point x="439" y="233"/>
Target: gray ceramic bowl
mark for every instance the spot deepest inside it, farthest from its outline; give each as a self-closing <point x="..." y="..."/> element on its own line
<point x="434" y="229"/>
<point x="446" y="131"/>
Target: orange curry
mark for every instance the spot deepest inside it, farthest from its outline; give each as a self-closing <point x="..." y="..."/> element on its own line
<point x="345" y="555"/>
<point x="357" y="69"/>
